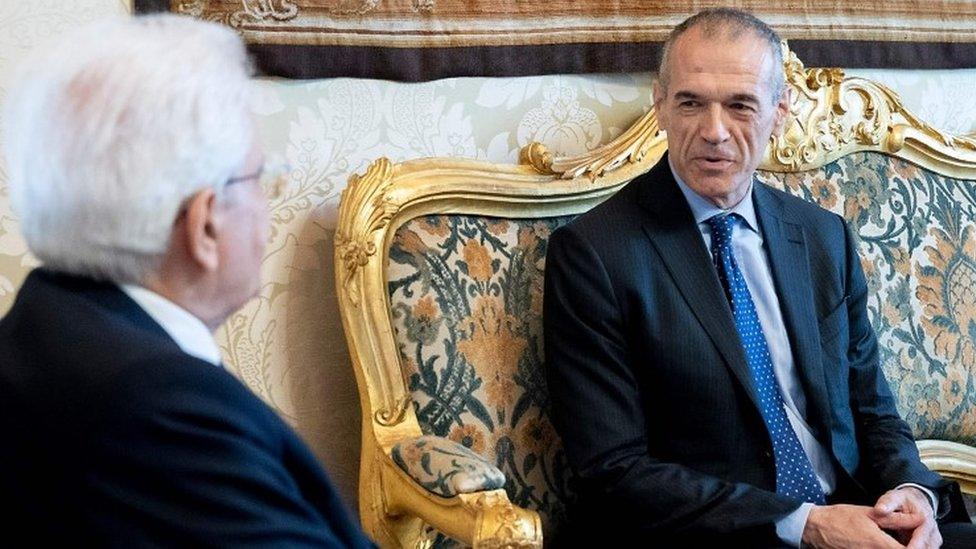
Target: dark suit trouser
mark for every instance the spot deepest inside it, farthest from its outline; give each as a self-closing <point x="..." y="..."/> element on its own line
<point x="958" y="535"/>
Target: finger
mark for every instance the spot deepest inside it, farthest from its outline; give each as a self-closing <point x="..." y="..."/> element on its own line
<point x="890" y="501"/>
<point x="925" y="536"/>
<point x="920" y="539"/>
<point x="900" y="521"/>
<point x="882" y="540"/>
<point x="871" y="535"/>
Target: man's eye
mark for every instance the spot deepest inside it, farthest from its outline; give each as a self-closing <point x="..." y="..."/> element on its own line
<point x="742" y="107"/>
<point x="689" y="104"/>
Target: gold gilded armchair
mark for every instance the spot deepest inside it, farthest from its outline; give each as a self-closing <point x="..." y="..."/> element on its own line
<point x="439" y="268"/>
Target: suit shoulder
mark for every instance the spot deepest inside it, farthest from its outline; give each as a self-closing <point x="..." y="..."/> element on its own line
<point x="179" y="382"/>
<point x="607" y="218"/>
<point x="75" y="366"/>
<point x="805" y="212"/>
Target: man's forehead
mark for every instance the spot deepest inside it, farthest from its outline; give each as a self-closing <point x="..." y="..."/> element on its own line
<point x="741" y="53"/>
<point x="720" y="69"/>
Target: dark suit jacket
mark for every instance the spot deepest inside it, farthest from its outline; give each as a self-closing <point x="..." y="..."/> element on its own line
<point x="650" y="387"/>
<point x="112" y="436"/>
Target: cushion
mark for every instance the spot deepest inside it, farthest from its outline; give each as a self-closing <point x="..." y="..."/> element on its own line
<point x="445" y="467"/>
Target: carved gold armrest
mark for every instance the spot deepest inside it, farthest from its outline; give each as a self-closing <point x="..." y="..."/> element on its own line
<point x="952" y="460"/>
<point x="481" y="518"/>
<point x="444" y="467"/>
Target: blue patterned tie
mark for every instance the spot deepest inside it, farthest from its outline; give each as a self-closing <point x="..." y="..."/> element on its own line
<point x="794" y="473"/>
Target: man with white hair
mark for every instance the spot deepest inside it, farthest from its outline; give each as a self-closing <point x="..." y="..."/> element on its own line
<point x="135" y="167"/>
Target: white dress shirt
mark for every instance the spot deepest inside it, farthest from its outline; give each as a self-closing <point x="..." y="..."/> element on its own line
<point x="188" y="331"/>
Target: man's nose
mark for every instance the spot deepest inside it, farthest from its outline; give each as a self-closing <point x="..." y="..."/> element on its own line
<point x="713" y="128"/>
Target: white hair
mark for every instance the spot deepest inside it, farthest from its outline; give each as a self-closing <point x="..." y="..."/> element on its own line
<point x="112" y="127"/>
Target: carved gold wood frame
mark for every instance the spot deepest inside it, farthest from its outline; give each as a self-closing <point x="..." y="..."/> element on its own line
<point x="831" y="116"/>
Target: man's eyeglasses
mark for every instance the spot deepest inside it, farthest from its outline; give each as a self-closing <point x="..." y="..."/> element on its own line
<point x="271" y="176"/>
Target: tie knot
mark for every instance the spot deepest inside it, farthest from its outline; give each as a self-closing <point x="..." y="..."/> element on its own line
<point x="721" y="226"/>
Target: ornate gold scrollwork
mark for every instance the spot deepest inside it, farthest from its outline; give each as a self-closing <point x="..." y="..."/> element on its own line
<point x="354" y="242"/>
<point x="828" y="114"/>
<point x="502" y="525"/>
<point x="536" y="154"/>
<point x="817" y="78"/>
<point x="831" y="116"/>
<point x="629" y="148"/>
<point x="394" y="413"/>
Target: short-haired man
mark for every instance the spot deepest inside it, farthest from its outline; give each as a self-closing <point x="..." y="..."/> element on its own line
<point x="713" y="372"/>
<point x="135" y="166"/>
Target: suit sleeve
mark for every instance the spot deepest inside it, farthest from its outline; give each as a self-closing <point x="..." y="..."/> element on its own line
<point x="885" y="440"/>
<point x="597" y="408"/>
<point x="197" y="460"/>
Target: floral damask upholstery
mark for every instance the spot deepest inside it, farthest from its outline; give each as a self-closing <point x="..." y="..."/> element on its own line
<point x="917" y="242"/>
<point x="445" y="467"/>
<point x="466" y="299"/>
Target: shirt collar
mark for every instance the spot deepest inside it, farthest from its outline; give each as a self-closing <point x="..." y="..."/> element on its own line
<point x="702" y="209"/>
<point x="188" y="331"/>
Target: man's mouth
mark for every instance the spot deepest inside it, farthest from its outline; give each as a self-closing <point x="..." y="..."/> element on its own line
<point x="714" y="162"/>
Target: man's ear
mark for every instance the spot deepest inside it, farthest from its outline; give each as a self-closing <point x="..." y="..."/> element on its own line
<point x="202" y="229"/>
<point x="659" y="94"/>
<point x="782" y="110"/>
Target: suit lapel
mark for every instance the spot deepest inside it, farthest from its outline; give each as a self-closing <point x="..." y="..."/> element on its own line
<point x="787" y="249"/>
<point x="676" y="238"/>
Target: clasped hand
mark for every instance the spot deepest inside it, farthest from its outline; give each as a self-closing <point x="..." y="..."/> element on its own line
<point x="901" y="518"/>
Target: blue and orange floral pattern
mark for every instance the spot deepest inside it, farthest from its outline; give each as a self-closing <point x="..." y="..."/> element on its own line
<point x="466" y="297"/>
<point x="445" y="467"/>
<point x="916" y="231"/>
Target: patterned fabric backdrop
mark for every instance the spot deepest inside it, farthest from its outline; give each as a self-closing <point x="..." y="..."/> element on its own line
<point x="288" y="343"/>
<point x="411" y="40"/>
<point x="917" y="239"/>
<point x="466" y="295"/>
